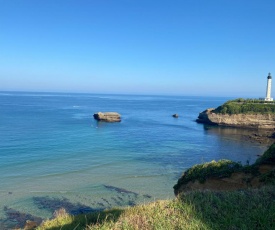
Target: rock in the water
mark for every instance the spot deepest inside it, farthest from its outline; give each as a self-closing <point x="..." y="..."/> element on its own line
<point x="175" y="115"/>
<point x="107" y="116"/>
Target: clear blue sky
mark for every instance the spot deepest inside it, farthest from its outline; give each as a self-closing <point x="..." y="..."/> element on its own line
<point x="182" y="47"/>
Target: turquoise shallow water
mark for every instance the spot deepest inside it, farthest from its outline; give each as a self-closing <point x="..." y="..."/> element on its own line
<point x="54" y="154"/>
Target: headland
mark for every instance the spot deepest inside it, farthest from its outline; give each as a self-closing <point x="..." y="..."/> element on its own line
<point x="256" y="115"/>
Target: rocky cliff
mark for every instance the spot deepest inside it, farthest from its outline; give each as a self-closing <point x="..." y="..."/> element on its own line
<point x="256" y="121"/>
<point x="228" y="175"/>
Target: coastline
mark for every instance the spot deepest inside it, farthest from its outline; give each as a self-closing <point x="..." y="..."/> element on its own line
<point x="243" y="188"/>
<point x="254" y="117"/>
<point x="144" y="153"/>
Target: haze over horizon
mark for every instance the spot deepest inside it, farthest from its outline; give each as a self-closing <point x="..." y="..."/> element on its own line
<point x="211" y="48"/>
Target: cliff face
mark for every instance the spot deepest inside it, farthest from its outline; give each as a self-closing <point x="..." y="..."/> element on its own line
<point x="256" y="121"/>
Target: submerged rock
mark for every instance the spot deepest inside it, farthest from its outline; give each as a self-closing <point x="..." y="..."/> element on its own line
<point x="120" y="190"/>
<point x="108" y="116"/>
<point x="20" y="220"/>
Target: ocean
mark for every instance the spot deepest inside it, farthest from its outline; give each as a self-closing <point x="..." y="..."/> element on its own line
<point x="53" y="153"/>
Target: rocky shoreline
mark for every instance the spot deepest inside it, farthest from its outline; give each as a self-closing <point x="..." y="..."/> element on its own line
<point x="250" y="121"/>
<point x="260" y="127"/>
<point x="264" y="137"/>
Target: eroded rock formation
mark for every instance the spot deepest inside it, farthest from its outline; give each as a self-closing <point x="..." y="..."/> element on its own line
<point x="108" y="116"/>
<point x="255" y="121"/>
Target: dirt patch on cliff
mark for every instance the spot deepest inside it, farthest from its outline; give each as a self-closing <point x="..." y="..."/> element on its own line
<point x="235" y="182"/>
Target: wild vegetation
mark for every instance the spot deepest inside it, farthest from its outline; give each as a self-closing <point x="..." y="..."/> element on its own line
<point x="200" y="172"/>
<point x="250" y="209"/>
<point x="225" y="168"/>
<point x="246" y="106"/>
<point x="242" y="209"/>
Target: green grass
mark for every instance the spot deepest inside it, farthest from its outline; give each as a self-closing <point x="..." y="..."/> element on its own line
<point x="246" y="209"/>
<point x="250" y="209"/>
<point x="248" y="106"/>
<point x="200" y="172"/>
<point x="65" y="221"/>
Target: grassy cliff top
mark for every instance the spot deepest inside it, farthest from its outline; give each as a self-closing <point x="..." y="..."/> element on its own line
<point x="246" y="106"/>
<point x="225" y="168"/>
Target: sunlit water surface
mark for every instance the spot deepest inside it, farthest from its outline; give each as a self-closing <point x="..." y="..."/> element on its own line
<point x="54" y="154"/>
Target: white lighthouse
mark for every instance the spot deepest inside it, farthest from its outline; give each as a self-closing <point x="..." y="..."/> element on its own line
<point x="268" y="88"/>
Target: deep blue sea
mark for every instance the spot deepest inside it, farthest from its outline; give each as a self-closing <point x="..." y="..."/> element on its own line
<point x="53" y="153"/>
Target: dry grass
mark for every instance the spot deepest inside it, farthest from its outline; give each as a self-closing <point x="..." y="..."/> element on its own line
<point x="250" y="209"/>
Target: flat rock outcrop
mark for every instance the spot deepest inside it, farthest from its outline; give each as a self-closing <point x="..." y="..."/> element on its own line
<point x="255" y="121"/>
<point x="108" y="116"/>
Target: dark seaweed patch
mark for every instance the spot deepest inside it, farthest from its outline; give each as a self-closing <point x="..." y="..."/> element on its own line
<point x="100" y="204"/>
<point x="116" y="201"/>
<point x="53" y="204"/>
<point x="120" y="198"/>
<point x="106" y="201"/>
<point x="147" y="196"/>
<point x="120" y="190"/>
<point x="17" y="219"/>
<point x="131" y="203"/>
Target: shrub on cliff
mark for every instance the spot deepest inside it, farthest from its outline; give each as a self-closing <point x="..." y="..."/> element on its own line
<point x="200" y="172"/>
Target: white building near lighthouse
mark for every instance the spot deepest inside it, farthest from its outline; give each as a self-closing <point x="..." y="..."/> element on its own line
<point x="268" y="88"/>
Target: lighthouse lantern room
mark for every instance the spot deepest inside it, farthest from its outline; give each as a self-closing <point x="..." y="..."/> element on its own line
<point x="268" y="88"/>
